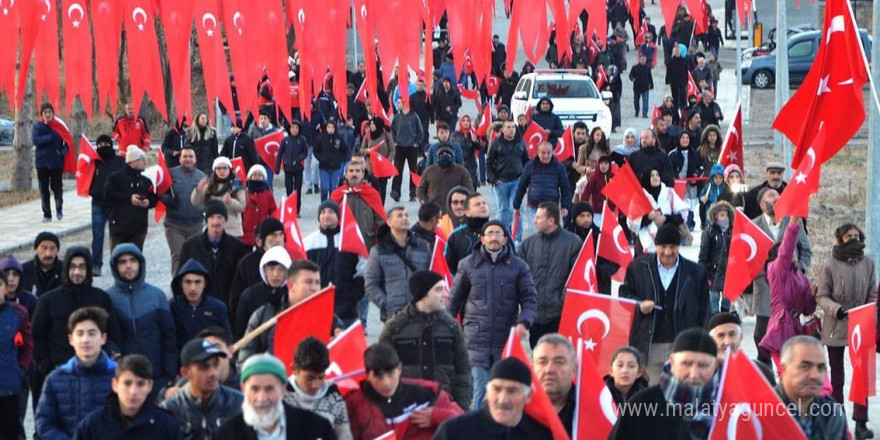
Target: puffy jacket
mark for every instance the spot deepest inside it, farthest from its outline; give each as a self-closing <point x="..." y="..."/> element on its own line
<point x="126" y="218"/>
<point x="221" y="265"/>
<point x="545" y="182"/>
<point x="151" y="423"/>
<point x="431" y="346"/>
<point x="761" y="297"/>
<point x="190" y="319"/>
<point x="648" y="158"/>
<point x="131" y="131"/>
<point x="259" y="205"/>
<point x="322" y="248"/>
<point x="386" y="280"/>
<point x="247" y="273"/>
<point x="407" y="130"/>
<point x="70" y="393"/>
<point x="330" y="152"/>
<point x="462" y="242"/>
<point x="548" y="121"/>
<point x="173" y="142"/>
<point x="197" y="419"/>
<point x="109" y="164"/>
<point x="550" y="258"/>
<point x="506" y="159"/>
<point x="294" y="150"/>
<point x="493" y="297"/>
<point x="844" y="284"/>
<point x="145" y="317"/>
<point x="49" y="147"/>
<point x="241" y="146"/>
<point x="14" y="359"/>
<point x="715" y="246"/>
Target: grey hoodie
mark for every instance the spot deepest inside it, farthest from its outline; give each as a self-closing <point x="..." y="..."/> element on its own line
<point x="181" y="211"/>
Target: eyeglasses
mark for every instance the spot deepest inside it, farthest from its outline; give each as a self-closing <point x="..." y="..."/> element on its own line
<point x="493" y="233"/>
<point x="457" y="202"/>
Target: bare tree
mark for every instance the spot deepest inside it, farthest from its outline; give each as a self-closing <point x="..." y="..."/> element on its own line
<point x="21" y="142"/>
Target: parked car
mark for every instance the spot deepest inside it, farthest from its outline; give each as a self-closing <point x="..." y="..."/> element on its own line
<point x="760" y="72"/>
<point x="7" y="130"/>
<point x="574" y="95"/>
<point x="768" y="47"/>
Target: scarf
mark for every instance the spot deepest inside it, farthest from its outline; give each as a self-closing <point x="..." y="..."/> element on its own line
<point x="850" y="252"/>
<point x="366" y="192"/>
<point x="257" y="186"/>
<point x="696" y="402"/>
<point x="217" y="186"/>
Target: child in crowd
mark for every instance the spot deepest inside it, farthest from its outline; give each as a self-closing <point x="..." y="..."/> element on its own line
<point x="627" y="375"/>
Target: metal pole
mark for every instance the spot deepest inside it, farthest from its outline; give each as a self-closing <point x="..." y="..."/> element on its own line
<point x="781" y="145"/>
<point x="739" y="53"/>
<point x="354" y="43"/>
<point x="872" y="204"/>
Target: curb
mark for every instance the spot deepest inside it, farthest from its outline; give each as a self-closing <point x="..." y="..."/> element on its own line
<point x="63" y="233"/>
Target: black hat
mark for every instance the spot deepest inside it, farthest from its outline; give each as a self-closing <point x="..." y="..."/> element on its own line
<point x="723" y="318"/>
<point x="421" y="281"/>
<point x="268" y="226"/>
<point x="104" y="139"/>
<point x="512" y="369"/>
<point x="47" y="106"/>
<point x="667" y="234"/>
<point x="215" y="206"/>
<point x="45" y="235"/>
<point x="695" y="339"/>
<point x="580" y="208"/>
<point x="495" y="223"/>
<point x="199" y="350"/>
<point x="444" y="147"/>
<point x="328" y="204"/>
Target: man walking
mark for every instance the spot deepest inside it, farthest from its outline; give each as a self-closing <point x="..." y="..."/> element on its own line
<point x="504" y="166"/>
<point x="129" y="129"/>
<point x="546" y="181"/>
<point x="408" y="136"/>
<point x="132" y="196"/>
<point x="49" y="158"/>
<point x="182" y="219"/>
<point x="109" y="164"/>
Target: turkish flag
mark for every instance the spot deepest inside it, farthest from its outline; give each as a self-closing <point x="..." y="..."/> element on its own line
<point x="288" y="206"/>
<point x="745" y="397"/>
<point x="268" y="145"/>
<point x="601" y="78"/>
<point x="293" y="240"/>
<point x="39" y="30"/>
<point x="145" y="73"/>
<point x="656" y="113"/>
<point x="236" y="14"/>
<point x="861" y="337"/>
<point x="834" y="83"/>
<point x="680" y="187"/>
<point x="77" y="54"/>
<point x="9" y="20"/>
<point x="493" y="84"/>
<point x="564" y="149"/>
<point x="795" y="201"/>
<point x="561" y="24"/>
<point x="85" y="166"/>
<point x="595" y="413"/>
<point x="163" y="183"/>
<point x="60" y="128"/>
<point x="212" y="54"/>
<point x="597" y="25"/>
<point x="744" y="9"/>
<point x="692" y="89"/>
<point x="311" y="317"/>
<point x="669" y="8"/>
<point x="592" y="49"/>
<point x="583" y="273"/>
<point x="107" y="39"/>
<point x="613" y="245"/>
<point x="528" y="21"/>
<point x="438" y="261"/>
<point x="602" y="322"/>
<point x="533" y="136"/>
<point x="485" y="122"/>
<point x="696" y="10"/>
<point x="416" y="179"/>
<point x="643" y="29"/>
<point x="346" y="368"/>
<point x="177" y="18"/>
<point x="539" y="408"/>
<point x="625" y="191"/>
<point x="361" y="94"/>
<point x="749" y="246"/>
<point x="238" y="167"/>
<point x="473" y="94"/>
<point x="732" y="149"/>
<point x="382" y="166"/>
<point x="352" y="240"/>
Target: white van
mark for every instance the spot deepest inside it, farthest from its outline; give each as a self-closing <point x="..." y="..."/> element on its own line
<point x="574" y="95"/>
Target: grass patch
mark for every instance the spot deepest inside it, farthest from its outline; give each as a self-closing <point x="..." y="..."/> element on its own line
<point x="10" y="198"/>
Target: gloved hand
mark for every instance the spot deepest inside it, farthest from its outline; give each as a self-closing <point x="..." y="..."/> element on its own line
<point x="841" y="313"/>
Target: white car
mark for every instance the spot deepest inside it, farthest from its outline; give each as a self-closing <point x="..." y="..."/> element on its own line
<point x="574" y="95"/>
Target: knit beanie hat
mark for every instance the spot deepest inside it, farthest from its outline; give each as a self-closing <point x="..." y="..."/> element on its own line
<point x="134" y="153"/>
<point x="215" y="206"/>
<point x="328" y="204"/>
<point x="222" y="160"/>
<point x="512" y="369"/>
<point x="10" y="263"/>
<point x="667" y="234"/>
<point x="723" y="318"/>
<point x="580" y="208"/>
<point x="268" y="226"/>
<point x="45" y="235"/>
<point x="495" y="223"/>
<point x="421" y="281"/>
<point x="255" y="169"/>
<point x="695" y="339"/>
<point x="263" y="363"/>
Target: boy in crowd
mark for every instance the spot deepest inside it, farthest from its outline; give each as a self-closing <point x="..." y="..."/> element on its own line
<point x="307" y="389"/>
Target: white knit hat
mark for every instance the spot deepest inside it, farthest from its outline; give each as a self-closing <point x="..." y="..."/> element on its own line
<point x="134" y="153"/>
<point x="222" y="160"/>
<point x="257" y="169"/>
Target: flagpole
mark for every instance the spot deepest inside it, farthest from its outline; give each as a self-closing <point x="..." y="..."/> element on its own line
<point x="780" y="144"/>
<point x="862" y="50"/>
<point x="737" y="33"/>
<point x="872" y="202"/>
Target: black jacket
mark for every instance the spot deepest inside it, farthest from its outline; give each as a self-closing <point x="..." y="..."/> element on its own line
<point x="548" y="121"/>
<point x="293" y="151"/>
<point x="649" y="158"/>
<point x="300" y="425"/>
<point x="126" y="218"/>
<point x="330" y="152"/>
<point x="109" y="164"/>
<point x="221" y="265"/>
<point x="443" y="99"/>
<point x="38" y="282"/>
<point x="506" y="159"/>
<point x="676" y="72"/>
<point x="151" y="423"/>
<point x="240" y="146"/>
<point x="695" y="164"/>
<point x="619" y="399"/>
<point x="189" y="320"/>
<point x="205" y="148"/>
<point x="640" y="75"/>
<point x="421" y="106"/>
<point x="478" y="424"/>
<point x="752" y="206"/>
<point x="605" y="269"/>
<point x="252" y="299"/>
<point x="247" y="273"/>
<point x="461" y="242"/>
<point x="664" y="424"/>
<point x="172" y="143"/>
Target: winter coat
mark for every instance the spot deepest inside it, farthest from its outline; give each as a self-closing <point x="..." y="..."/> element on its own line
<point x="790" y="295"/>
<point x="460" y="244"/>
<point x="258" y="207"/>
<point x="247" y="273"/>
<point x="144" y="316"/>
<point x="549" y="121"/>
<point x="14" y="359"/>
<point x="457" y="153"/>
<point x="469" y="147"/>
<point x="407" y="129"/>
<point x="189" y="320"/>
<point x="369" y="412"/>
<point x="550" y="258"/>
<point x="34" y="280"/>
<point x="151" y="423"/>
<point x="388" y="270"/>
<point x="322" y="248"/>
<point x="126" y="218"/>
<point x="676" y="72"/>
<point x="666" y="423"/>
<point x="234" y="208"/>
<point x="108" y="164"/>
<point x="198" y="419"/>
<point x="431" y="346"/>
<point x="479" y="424"/>
<point x="715" y="247"/>
<point x="691" y="298"/>
<point x="438" y="181"/>
<point x="71" y="392"/>
<point x="204" y="142"/>
<point x="331" y="152"/>
<point x="327" y="403"/>
<point x="619" y="399"/>
<point x="442" y="99"/>
<point x="221" y="264"/>
<point x="369" y="220"/>
<point x="593" y="191"/>
<point x="173" y="142"/>
<point x="545" y="183"/>
<point x="49" y="148"/>
<point x="492" y="297"/>
<point x="648" y="158"/>
<point x="241" y="146"/>
<point x="131" y="131"/>
<point x="707" y="112"/>
<point x="181" y="211"/>
<point x="694" y="163"/>
<point x="299" y="424"/>
<point x="294" y="150"/>
<point x="845" y="285"/>
<point x="349" y="282"/>
<point x="254" y="297"/>
<point x="641" y="76"/>
<point x="51" y="344"/>
<point x="752" y="207"/>
<point x="506" y="159"/>
<point x="829" y="422"/>
<point x="760" y="289"/>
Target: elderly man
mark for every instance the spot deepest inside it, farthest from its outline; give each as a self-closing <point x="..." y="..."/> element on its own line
<point x="688" y="380"/>
<point x="264" y="414"/>
<point x="726" y="329"/>
<point x="773" y="175"/>
<point x="553" y="360"/>
<point x="710" y="112"/>
<point x="507" y="393"/>
<point x="803" y="372"/>
<point x="44" y="272"/>
<point x="673" y="295"/>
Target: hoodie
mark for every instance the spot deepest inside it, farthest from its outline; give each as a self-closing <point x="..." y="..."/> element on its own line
<point x="711" y="190"/>
<point x="261" y="293"/>
<point x="548" y="120"/>
<point x="144" y="316"/>
<point x="21" y="297"/>
<point x="294" y="150"/>
<point x="190" y="319"/>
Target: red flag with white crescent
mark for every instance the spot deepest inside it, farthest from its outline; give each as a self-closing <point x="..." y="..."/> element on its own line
<point x="9" y="55"/>
<point x="692" y="89"/>
<point x="749" y="247"/>
<point x="485" y="122"/>
<point x="39" y="34"/>
<point x="613" y="245"/>
<point x="601" y="78"/>
<point x="493" y="85"/>
<point x="416" y="178"/>
<point x="60" y="128"/>
<point x="163" y="185"/>
<point x="861" y="343"/>
<point x="596" y="411"/>
<point x="77" y="53"/>
<point x="795" y="201"/>
<point x="238" y="168"/>
<point x="145" y="74"/>
<point x="583" y="273"/>
<point x="107" y="40"/>
<point x="732" y="148"/>
<point x="533" y="137"/>
<point x="438" y="261"/>
<point x="601" y="322"/>
<point x="625" y="191"/>
<point x="351" y="239"/>
<point x="564" y="149"/>
<point x="346" y="368"/>
<point x="293" y="240"/>
<point x="85" y="166"/>
<point x="237" y="30"/>
<point x="313" y="316"/>
<point x="381" y="165"/>
<point x="268" y="146"/>
<point x="212" y="53"/>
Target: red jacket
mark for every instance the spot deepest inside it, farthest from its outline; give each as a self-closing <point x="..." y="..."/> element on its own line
<point x="368" y="421"/>
<point x="259" y="206"/>
<point x="131" y="131"/>
<point x="593" y="191"/>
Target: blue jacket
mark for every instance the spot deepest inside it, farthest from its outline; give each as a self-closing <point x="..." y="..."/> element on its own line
<point x="14" y="359"/>
<point x="70" y="393"/>
<point x="546" y="183"/>
<point x="50" y="148"/>
<point x="151" y="423"/>
<point x="189" y="320"/>
<point x="548" y="121"/>
<point x="293" y="151"/>
<point x="144" y="316"/>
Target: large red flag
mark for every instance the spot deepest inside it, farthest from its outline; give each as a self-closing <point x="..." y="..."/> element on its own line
<point x="438" y="261"/>
<point x="268" y="146"/>
<point x="749" y="246"/>
<point x="596" y="412"/>
<point x="643" y="30"/>
<point x="60" y="128"/>
<point x="313" y="316"/>
<point x="744" y="9"/>
<point x="597" y="24"/>
<point x="77" y="54"/>
<point x="625" y="191"/>
<point x="833" y="83"/>
<point x="528" y="20"/>
<point x="39" y="30"/>
<point x="346" y="368"/>
<point x="533" y="137"/>
<point x="583" y="273"/>
<point x="177" y="19"/>
<point x="9" y="17"/>
<point x="238" y="167"/>
<point x="692" y="89"/>
<point x="613" y="245"/>
<point x="145" y="73"/>
<point x="163" y="183"/>
<point x="539" y="408"/>
<point x="564" y="149"/>
<point x="493" y="84"/>
<point x="732" y="149"/>
<point x="861" y="337"/>
<point x="85" y="166"/>
<point x="237" y="26"/>
<point x="669" y="8"/>
<point x="485" y="122"/>
<point x="805" y="182"/>
<point x="745" y="399"/>
<point x="107" y="39"/>
<point x="351" y="239"/>
<point x="381" y="165"/>
<point x="288" y="208"/>
<point x="602" y="322"/>
<point x="212" y="54"/>
<point x="293" y="241"/>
